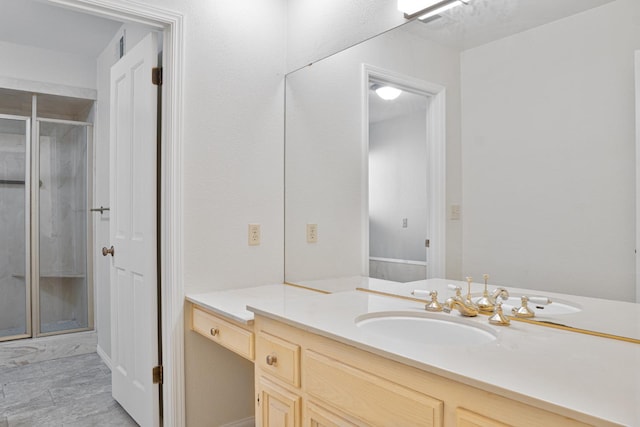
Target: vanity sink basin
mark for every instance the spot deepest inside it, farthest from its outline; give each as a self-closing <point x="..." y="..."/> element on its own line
<point x="556" y="308"/>
<point x="423" y="327"/>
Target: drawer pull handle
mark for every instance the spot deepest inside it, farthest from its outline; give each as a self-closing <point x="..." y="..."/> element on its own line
<point x="272" y="359"/>
<point x="214" y="331"/>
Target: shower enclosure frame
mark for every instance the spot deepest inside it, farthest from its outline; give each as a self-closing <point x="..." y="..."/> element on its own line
<point x="31" y="271"/>
<point x="35" y="226"/>
<point x="27" y="228"/>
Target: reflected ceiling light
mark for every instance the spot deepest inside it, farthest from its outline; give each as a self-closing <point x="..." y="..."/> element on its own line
<point x="425" y="9"/>
<point x="388" y="93"/>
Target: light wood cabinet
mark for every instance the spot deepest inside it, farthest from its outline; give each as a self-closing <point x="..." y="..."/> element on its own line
<point x="277" y="406"/>
<point x="470" y="419"/>
<point x="319" y="416"/>
<point x="335" y="384"/>
<point x="235" y="337"/>
<point x="367" y="396"/>
<point x="279" y="357"/>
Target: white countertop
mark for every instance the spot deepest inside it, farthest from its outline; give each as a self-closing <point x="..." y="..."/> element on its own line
<point x="233" y="303"/>
<point x="549" y="368"/>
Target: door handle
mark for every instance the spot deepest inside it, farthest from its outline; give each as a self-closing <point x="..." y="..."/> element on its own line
<point x="106" y="251"/>
<point x="100" y="209"/>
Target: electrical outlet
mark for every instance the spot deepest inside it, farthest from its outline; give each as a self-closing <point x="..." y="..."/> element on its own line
<point x="405" y="222"/>
<point x="254" y="234"/>
<point x="312" y="233"/>
<point x="455" y="213"/>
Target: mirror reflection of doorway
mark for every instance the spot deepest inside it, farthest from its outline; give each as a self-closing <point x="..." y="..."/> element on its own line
<point x="398" y="182"/>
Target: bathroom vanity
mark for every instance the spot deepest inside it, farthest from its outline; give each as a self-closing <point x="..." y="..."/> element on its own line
<point x="340" y="359"/>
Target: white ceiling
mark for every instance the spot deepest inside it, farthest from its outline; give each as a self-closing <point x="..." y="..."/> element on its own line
<point x="483" y="21"/>
<point x="35" y="23"/>
<point x="480" y="22"/>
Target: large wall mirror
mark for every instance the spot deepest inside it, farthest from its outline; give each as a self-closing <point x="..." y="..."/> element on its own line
<point x="535" y="102"/>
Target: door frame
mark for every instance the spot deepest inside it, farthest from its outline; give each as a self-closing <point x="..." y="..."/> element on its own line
<point x="436" y="153"/>
<point x="637" y="93"/>
<point x="171" y="266"/>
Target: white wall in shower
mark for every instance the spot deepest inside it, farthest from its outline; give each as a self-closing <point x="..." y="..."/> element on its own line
<point x="63" y="202"/>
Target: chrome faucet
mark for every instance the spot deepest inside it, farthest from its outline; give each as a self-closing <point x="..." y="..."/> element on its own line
<point x="464" y="305"/>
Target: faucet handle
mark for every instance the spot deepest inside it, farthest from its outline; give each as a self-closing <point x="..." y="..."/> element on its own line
<point x="456" y="288"/>
<point x="523" y="311"/>
<point x="434" y="305"/>
<point x="420" y="293"/>
<point x="498" y="317"/>
<point x="540" y="300"/>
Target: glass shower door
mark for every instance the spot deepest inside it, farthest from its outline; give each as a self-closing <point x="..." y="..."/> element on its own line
<point x="14" y="209"/>
<point x="63" y="265"/>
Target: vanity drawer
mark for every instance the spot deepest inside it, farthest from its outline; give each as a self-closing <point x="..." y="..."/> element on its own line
<point x="223" y="332"/>
<point x="279" y="358"/>
<point x="370" y="398"/>
<point x="465" y="418"/>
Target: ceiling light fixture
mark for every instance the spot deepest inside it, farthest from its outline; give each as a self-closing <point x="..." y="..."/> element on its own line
<point x="388" y="93"/>
<point x="425" y="9"/>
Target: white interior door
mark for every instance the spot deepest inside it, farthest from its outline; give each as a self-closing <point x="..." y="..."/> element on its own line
<point x="134" y="337"/>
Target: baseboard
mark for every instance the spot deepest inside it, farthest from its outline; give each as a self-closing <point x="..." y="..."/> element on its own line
<point x="104" y="356"/>
<point x="245" y="422"/>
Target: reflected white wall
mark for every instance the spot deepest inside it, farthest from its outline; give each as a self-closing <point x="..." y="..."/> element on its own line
<point x="398" y="188"/>
<point x="549" y="155"/>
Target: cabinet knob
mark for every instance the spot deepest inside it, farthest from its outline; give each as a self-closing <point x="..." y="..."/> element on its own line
<point x="272" y="359"/>
<point x="214" y="331"/>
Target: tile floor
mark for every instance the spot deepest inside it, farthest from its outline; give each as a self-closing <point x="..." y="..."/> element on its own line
<point x="67" y="391"/>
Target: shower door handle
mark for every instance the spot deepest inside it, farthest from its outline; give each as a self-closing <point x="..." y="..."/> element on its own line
<point x="106" y="251"/>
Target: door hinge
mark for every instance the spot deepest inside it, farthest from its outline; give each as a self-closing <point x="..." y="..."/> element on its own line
<point x="156" y="76"/>
<point x="157" y="374"/>
<point x="427" y="243"/>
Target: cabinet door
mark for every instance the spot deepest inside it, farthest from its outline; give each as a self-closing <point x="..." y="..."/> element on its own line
<point x="368" y="397"/>
<point x="467" y="418"/>
<point x="278" y="407"/>
<point x="318" y="416"/>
